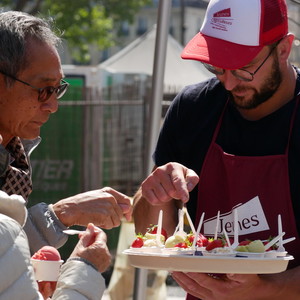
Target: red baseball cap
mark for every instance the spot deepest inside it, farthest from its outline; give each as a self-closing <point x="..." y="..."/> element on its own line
<point x="235" y="31"/>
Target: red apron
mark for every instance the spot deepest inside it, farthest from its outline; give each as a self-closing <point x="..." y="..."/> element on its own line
<point x="258" y="186"/>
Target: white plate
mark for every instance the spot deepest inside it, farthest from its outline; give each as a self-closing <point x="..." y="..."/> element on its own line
<point x="155" y="250"/>
<point x="177" y="251"/>
<point x="252" y="254"/>
<point x="206" y="253"/>
<point x="208" y="264"/>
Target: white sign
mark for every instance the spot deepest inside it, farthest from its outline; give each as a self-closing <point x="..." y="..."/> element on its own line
<point x="251" y="219"/>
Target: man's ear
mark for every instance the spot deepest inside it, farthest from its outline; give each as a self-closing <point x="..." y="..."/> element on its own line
<point x="284" y="48"/>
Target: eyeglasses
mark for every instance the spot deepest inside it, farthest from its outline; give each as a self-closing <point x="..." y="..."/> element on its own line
<point x="46" y="92"/>
<point x="241" y="74"/>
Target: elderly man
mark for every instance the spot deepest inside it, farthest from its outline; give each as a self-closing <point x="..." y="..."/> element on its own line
<point x="31" y="81"/>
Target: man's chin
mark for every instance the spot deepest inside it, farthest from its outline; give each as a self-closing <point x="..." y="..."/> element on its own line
<point x="30" y="136"/>
<point x="243" y="103"/>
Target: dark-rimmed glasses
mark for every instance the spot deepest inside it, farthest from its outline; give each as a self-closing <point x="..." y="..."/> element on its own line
<point x="46" y="92"/>
<point x="241" y="74"/>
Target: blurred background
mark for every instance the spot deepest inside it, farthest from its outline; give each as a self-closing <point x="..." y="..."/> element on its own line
<point x="100" y="135"/>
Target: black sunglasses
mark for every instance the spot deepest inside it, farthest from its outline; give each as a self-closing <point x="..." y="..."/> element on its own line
<point x="46" y="92"/>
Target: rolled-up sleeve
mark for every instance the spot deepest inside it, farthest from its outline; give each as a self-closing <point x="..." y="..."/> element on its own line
<point x="44" y="228"/>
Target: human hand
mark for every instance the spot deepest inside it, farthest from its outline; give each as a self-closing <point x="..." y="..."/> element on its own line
<point x="167" y="182"/>
<point x="104" y="208"/>
<point x="233" y="286"/>
<point x="92" y="247"/>
<point x="47" y="288"/>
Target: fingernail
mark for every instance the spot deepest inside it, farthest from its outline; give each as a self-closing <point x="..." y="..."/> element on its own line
<point x="90" y="226"/>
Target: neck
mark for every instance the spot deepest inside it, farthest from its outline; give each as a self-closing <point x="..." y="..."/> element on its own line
<point x="6" y="140"/>
<point x="283" y="95"/>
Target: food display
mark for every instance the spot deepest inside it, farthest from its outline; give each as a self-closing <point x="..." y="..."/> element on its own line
<point x="256" y="246"/>
<point x="156" y="239"/>
<point x="218" y="247"/>
<point x="193" y="251"/>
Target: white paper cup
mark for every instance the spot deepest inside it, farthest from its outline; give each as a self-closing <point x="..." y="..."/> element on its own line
<point x="46" y="270"/>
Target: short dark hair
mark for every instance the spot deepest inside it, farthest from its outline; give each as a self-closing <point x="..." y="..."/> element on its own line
<point x="16" y="28"/>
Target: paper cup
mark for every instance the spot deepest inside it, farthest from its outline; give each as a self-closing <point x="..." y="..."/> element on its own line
<point x="46" y="270"/>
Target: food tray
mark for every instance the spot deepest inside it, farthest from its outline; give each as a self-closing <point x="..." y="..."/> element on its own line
<point x="208" y="264"/>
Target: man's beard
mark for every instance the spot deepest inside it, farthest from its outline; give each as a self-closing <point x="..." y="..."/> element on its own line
<point x="267" y="90"/>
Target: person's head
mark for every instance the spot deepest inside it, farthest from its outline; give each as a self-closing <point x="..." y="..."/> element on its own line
<point x="29" y="65"/>
<point x="246" y="44"/>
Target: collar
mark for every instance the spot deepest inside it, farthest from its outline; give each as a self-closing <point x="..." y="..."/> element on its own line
<point x="5" y="157"/>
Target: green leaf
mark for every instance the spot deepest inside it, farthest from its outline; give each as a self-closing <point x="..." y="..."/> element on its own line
<point x="83" y="23"/>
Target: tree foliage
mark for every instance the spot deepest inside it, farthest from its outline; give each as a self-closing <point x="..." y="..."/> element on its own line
<point x="83" y="22"/>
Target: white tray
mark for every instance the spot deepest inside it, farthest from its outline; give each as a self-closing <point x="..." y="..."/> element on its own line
<point x="208" y="264"/>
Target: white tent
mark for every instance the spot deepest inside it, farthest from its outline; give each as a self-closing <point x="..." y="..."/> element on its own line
<point x="138" y="57"/>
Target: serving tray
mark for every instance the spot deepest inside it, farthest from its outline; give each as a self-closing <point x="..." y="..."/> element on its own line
<point x="208" y="264"/>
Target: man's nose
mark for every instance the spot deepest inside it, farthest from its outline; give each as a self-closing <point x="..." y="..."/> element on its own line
<point x="229" y="80"/>
<point x="51" y="105"/>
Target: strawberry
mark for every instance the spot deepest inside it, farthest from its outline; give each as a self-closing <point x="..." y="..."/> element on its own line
<point x="202" y="241"/>
<point x="244" y="243"/>
<point x="138" y="242"/>
<point x="181" y="245"/>
<point x="218" y="243"/>
<point x="153" y="230"/>
<point x="190" y="238"/>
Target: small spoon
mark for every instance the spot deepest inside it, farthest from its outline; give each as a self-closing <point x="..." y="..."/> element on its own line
<point x="274" y="241"/>
<point x="198" y="231"/>
<point x="288" y="240"/>
<point x="73" y="231"/>
<point x="236" y="230"/>
<point x="280" y="244"/>
<point x="184" y="208"/>
<point x="159" y="227"/>
<point x="227" y="239"/>
<point x="217" y="226"/>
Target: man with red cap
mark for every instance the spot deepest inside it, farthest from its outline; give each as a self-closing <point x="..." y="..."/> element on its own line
<point x="232" y="144"/>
